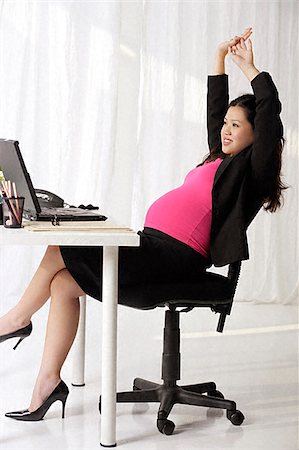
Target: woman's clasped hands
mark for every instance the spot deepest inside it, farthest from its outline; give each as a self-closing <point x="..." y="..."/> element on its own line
<point x="226" y="46"/>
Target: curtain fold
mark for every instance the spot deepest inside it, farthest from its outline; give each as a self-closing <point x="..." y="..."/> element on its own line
<point x="108" y="102"/>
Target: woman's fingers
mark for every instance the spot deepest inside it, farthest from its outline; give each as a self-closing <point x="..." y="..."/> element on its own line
<point x="247" y="33"/>
<point x="247" y="30"/>
<point x="237" y="39"/>
<point x="234" y="40"/>
<point x="247" y="47"/>
<point x="232" y="50"/>
<point x="240" y="47"/>
<point x="242" y="44"/>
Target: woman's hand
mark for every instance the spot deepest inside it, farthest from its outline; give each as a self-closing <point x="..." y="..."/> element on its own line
<point x="223" y="48"/>
<point x="242" y="55"/>
<point x="222" y="51"/>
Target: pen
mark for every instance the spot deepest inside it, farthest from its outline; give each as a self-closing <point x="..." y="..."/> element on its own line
<point x="17" y="201"/>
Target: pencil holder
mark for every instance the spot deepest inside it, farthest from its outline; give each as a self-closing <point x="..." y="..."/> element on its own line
<point x="13" y="211"/>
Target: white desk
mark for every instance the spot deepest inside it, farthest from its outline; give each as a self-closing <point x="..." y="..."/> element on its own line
<point x="110" y="240"/>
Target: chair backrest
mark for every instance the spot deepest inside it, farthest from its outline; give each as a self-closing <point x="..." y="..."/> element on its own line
<point x="224" y="310"/>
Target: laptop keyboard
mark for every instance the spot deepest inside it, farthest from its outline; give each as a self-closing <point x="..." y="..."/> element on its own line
<point x="65" y="211"/>
<point x="70" y="214"/>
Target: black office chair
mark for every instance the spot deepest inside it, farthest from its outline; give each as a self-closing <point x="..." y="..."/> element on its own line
<point x="213" y="291"/>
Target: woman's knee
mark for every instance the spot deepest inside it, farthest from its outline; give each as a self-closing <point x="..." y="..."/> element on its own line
<point x="53" y="251"/>
<point x="52" y="258"/>
<point x="63" y="284"/>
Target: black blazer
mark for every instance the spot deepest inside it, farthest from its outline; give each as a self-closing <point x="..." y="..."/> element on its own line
<point x="243" y="181"/>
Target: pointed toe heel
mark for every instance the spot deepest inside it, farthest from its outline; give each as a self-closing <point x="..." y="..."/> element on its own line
<point x="61" y="393"/>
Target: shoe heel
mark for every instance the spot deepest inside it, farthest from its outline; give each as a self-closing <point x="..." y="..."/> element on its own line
<point x="63" y="401"/>
<point x="19" y="341"/>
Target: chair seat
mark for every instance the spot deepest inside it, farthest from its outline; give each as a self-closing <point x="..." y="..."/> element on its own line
<point x="211" y="289"/>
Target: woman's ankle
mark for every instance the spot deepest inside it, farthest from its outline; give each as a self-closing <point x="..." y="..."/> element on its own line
<point x="19" y="318"/>
<point x="44" y="386"/>
<point x="47" y="379"/>
<point x="11" y="322"/>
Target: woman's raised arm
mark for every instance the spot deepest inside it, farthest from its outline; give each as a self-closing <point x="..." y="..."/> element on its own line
<point x="217" y="99"/>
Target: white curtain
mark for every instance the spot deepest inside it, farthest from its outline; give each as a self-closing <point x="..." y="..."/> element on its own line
<point x="108" y="102"/>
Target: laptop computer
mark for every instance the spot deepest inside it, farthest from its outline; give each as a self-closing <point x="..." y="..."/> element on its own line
<point x="14" y="169"/>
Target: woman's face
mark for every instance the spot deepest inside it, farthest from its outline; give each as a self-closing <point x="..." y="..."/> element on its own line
<point x="237" y="131"/>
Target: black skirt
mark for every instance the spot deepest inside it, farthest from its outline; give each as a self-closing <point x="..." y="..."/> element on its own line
<point x="159" y="259"/>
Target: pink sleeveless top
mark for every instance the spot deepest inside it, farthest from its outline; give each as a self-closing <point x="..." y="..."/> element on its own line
<point x="185" y="213"/>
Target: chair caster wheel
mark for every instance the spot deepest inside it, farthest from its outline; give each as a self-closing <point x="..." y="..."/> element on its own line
<point x="236" y="417"/>
<point x="215" y="393"/>
<point x="165" y="426"/>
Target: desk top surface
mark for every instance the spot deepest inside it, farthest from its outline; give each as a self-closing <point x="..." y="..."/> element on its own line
<point x="106" y="233"/>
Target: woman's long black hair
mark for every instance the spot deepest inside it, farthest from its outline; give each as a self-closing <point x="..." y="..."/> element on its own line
<point x="274" y="199"/>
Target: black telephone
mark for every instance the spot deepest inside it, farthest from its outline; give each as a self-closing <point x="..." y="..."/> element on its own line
<point x="47" y="199"/>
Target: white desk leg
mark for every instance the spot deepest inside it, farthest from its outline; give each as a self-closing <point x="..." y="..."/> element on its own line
<point x="78" y="375"/>
<point x="109" y="346"/>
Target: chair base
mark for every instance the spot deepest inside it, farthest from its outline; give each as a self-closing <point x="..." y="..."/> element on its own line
<point x="168" y="394"/>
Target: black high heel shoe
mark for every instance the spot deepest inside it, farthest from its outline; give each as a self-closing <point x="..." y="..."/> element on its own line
<point x="60" y="393"/>
<point x="22" y="333"/>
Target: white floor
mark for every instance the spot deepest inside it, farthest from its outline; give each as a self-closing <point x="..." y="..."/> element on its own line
<point x="255" y="363"/>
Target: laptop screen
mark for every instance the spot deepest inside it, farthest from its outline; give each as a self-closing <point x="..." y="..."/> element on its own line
<point x="13" y="168"/>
